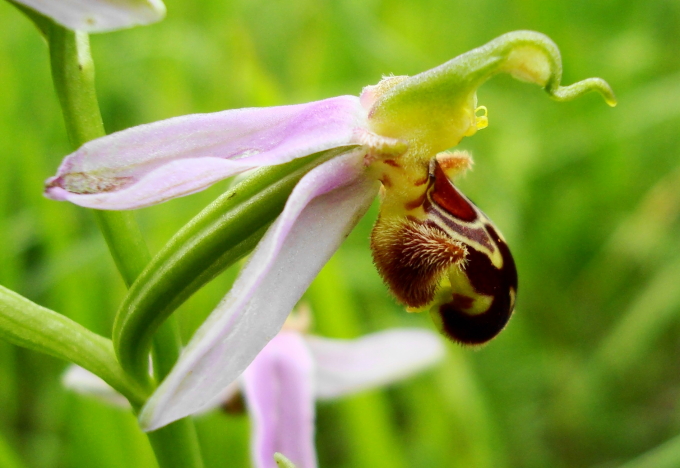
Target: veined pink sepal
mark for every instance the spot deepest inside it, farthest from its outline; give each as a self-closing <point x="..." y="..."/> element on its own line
<point x="151" y="163"/>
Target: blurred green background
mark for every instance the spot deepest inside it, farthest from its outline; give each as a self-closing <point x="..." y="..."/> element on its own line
<point x="588" y="197"/>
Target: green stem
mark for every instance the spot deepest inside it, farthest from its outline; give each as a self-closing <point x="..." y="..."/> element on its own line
<point x="125" y="241"/>
<point x="73" y="73"/>
<point x="26" y="324"/>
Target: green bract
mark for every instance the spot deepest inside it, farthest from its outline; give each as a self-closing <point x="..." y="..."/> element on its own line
<point x="31" y="326"/>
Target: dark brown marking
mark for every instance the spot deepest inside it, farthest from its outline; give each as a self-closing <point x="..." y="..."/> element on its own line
<point x="446" y="195"/>
<point x="413" y="204"/>
<point x="488" y="280"/>
<point x="391" y="162"/>
<point x="422" y="181"/>
<point x="461" y="301"/>
<point x="234" y="405"/>
<point x="386" y="181"/>
<point x="509" y="268"/>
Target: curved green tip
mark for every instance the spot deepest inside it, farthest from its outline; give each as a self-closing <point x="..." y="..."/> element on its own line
<point x="567" y="93"/>
<point x="437" y="108"/>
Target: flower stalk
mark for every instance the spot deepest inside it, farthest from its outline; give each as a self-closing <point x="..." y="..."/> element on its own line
<point x="73" y="74"/>
<point x="26" y="324"/>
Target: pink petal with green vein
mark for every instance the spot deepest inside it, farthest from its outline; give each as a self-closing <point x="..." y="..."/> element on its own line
<point x="323" y="208"/>
<point x="152" y="163"/>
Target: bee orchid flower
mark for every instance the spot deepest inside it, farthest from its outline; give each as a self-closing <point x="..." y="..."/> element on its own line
<point x="433" y="247"/>
<point x="292" y="371"/>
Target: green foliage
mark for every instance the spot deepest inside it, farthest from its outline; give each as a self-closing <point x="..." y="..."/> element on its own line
<point x="588" y="199"/>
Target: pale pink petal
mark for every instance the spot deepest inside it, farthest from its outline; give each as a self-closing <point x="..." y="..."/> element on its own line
<point x="86" y="383"/>
<point x="99" y="15"/>
<point x="321" y="211"/>
<point x="152" y="163"/>
<point x="279" y="392"/>
<point x="348" y="366"/>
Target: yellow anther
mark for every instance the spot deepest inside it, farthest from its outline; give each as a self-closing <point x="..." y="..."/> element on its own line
<point x="482" y="121"/>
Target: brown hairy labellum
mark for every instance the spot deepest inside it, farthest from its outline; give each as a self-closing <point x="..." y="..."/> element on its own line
<point x="451" y="259"/>
<point x="412" y="256"/>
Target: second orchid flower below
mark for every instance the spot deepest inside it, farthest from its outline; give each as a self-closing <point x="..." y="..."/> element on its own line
<point x="434" y="248"/>
<point x="295" y="369"/>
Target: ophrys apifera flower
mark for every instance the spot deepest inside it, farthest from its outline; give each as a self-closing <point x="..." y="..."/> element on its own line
<point x="434" y="248"/>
